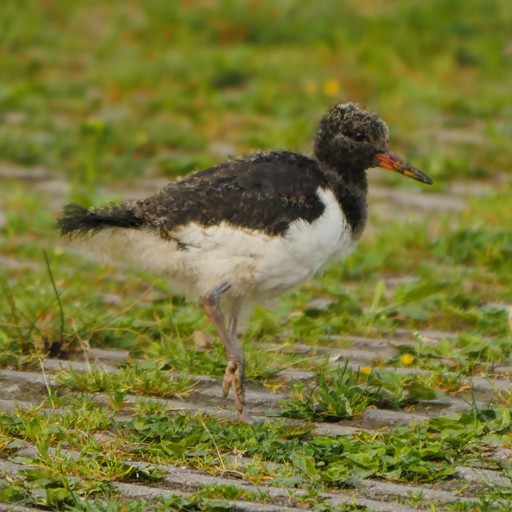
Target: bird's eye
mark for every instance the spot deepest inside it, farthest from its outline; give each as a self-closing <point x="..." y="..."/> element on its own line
<point x="357" y="136"/>
<point x="360" y="137"/>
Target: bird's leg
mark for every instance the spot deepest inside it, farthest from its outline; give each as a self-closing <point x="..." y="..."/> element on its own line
<point x="233" y="325"/>
<point x="235" y="369"/>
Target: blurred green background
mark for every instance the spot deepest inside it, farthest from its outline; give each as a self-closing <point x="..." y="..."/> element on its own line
<point x="107" y="90"/>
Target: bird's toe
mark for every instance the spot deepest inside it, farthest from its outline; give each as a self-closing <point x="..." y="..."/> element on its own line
<point x="229" y="378"/>
<point x="245" y="417"/>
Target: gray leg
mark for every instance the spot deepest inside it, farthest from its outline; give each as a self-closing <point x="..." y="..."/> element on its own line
<point x="235" y="369"/>
<point x="233" y="325"/>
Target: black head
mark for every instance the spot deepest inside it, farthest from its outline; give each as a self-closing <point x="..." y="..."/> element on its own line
<point x="351" y="140"/>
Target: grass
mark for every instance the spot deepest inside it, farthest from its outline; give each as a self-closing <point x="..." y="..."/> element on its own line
<point x="145" y="380"/>
<point x="103" y="97"/>
<point x="71" y="495"/>
<point x="419" y="453"/>
<point x="342" y="393"/>
<point x="335" y="397"/>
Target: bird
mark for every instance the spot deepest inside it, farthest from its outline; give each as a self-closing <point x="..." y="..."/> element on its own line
<point x="247" y="230"/>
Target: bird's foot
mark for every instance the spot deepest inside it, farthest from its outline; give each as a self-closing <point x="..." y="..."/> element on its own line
<point x="245" y="417"/>
<point x="234" y="378"/>
<point x="229" y="378"/>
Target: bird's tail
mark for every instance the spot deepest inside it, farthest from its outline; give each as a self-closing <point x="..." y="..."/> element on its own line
<point x="79" y="221"/>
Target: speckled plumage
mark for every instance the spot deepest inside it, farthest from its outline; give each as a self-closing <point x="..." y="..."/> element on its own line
<point x="263" y="192"/>
<point x="249" y="229"/>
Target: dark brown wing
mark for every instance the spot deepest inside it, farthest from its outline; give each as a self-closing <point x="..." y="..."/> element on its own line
<point x="265" y="192"/>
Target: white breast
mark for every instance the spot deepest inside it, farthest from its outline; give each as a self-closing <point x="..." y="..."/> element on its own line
<point x="257" y="265"/>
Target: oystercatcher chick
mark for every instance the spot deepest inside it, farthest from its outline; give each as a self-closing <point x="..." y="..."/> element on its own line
<point x="247" y="230"/>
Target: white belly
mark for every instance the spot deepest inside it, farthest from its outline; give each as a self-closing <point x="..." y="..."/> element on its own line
<point x="256" y="265"/>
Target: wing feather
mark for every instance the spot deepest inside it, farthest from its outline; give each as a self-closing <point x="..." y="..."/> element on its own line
<point x="264" y="192"/>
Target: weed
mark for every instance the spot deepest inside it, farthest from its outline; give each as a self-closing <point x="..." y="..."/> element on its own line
<point x="145" y="379"/>
<point x="334" y="397"/>
<point x="343" y="393"/>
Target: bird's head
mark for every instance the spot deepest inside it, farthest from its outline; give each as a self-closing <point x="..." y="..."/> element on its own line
<point x="352" y="139"/>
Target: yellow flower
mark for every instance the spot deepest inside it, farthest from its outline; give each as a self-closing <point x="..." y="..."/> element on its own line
<point x="332" y="87"/>
<point x="365" y="370"/>
<point x="407" y="359"/>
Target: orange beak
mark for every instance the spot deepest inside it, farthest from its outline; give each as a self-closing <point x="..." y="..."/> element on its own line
<point x="393" y="162"/>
